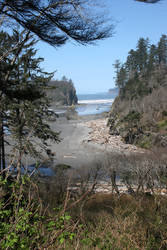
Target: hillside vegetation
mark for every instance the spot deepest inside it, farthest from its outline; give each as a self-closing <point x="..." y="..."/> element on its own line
<point x="139" y="113"/>
<point x="62" y="92"/>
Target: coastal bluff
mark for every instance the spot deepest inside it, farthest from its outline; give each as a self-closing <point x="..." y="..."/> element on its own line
<point x="61" y="92"/>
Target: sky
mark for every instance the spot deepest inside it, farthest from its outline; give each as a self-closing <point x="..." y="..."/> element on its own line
<point x="91" y="67"/>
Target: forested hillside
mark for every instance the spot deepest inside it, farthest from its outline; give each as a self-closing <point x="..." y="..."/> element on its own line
<point x="139" y="113"/>
<point x="62" y="92"/>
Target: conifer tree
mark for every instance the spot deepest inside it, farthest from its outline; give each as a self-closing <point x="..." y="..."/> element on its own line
<point x="26" y="102"/>
<point x="152" y="58"/>
<point x="56" y="21"/>
<point x="142" y="54"/>
<point x="162" y="50"/>
<point x="131" y="64"/>
<point x="121" y="77"/>
<point x="5" y="67"/>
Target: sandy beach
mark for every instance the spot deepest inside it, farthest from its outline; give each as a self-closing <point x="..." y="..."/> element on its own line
<point x="86" y="146"/>
<point x="86" y="140"/>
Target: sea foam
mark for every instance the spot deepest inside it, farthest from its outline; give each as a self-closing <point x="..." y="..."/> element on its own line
<point x="100" y="101"/>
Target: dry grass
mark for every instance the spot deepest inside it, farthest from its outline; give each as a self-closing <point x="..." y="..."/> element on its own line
<point x="124" y="222"/>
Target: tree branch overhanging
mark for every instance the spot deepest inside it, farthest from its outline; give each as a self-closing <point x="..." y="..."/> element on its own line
<point x="56" y="22"/>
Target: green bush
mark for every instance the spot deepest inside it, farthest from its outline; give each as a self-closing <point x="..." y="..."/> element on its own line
<point x="162" y="124"/>
<point x="132" y="116"/>
<point x="164" y="113"/>
<point x="120" y="222"/>
<point x="145" y="142"/>
<point x="19" y="216"/>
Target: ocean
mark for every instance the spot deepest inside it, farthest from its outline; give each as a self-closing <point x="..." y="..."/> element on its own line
<point x="90" y="104"/>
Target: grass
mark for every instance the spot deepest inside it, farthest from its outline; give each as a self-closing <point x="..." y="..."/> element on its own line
<point x="145" y="142"/>
<point x="125" y="222"/>
<point x="162" y="125"/>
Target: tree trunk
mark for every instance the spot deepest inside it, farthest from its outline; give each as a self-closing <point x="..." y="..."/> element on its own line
<point x="2" y="147"/>
<point x="113" y="181"/>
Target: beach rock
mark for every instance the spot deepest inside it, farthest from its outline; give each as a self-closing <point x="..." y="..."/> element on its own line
<point x="101" y="134"/>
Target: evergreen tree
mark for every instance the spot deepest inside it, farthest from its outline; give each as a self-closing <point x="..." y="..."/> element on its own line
<point x="152" y="58"/>
<point x="25" y="101"/>
<point x="121" y="77"/>
<point x="162" y="50"/>
<point x="131" y="64"/>
<point x="117" y="66"/>
<point x="133" y="77"/>
<point x="56" y="21"/>
<point x="5" y="67"/>
<point x="142" y="54"/>
<point x="64" y="79"/>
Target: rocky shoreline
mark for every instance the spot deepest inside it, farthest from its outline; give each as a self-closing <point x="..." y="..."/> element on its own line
<point x="107" y="188"/>
<point x="99" y="134"/>
<point x="86" y="141"/>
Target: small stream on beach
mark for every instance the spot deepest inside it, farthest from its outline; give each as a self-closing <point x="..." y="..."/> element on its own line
<point x="42" y="171"/>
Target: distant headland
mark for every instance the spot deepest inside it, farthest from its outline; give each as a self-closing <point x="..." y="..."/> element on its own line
<point x="114" y="91"/>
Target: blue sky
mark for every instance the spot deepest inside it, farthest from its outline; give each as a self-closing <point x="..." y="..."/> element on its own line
<point x="91" y="67"/>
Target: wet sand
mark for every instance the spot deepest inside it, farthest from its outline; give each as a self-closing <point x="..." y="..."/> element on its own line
<point x="86" y="141"/>
<point x="74" y="148"/>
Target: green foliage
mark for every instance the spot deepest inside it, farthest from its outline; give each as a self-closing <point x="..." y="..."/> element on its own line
<point x="162" y="50"/>
<point x="133" y="75"/>
<point x="145" y="142"/>
<point x="142" y="54"/>
<point x="132" y="222"/>
<point x="19" y="220"/>
<point x="164" y="113"/>
<point x="162" y="124"/>
<point x="144" y="91"/>
<point x="22" y="225"/>
<point x="132" y="116"/>
<point x="60" y="21"/>
<point x="24" y="105"/>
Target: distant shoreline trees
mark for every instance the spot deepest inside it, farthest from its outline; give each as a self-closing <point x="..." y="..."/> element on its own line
<point x="142" y="61"/>
<point x="138" y="114"/>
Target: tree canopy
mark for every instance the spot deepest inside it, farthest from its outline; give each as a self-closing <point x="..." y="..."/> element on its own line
<point x="23" y="103"/>
<point x="141" y="64"/>
<point x="55" y="21"/>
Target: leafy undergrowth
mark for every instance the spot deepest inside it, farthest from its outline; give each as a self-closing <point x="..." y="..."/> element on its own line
<point x="93" y="221"/>
<point x="162" y="125"/>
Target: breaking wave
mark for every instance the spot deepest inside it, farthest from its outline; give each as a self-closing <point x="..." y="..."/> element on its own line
<point x="100" y="101"/>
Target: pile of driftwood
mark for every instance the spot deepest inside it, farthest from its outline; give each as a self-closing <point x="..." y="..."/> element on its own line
<point x="100" y="134"/>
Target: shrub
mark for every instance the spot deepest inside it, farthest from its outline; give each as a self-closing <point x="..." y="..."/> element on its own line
<point x="164" y="113"/>
<point x="132" y="116"/>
